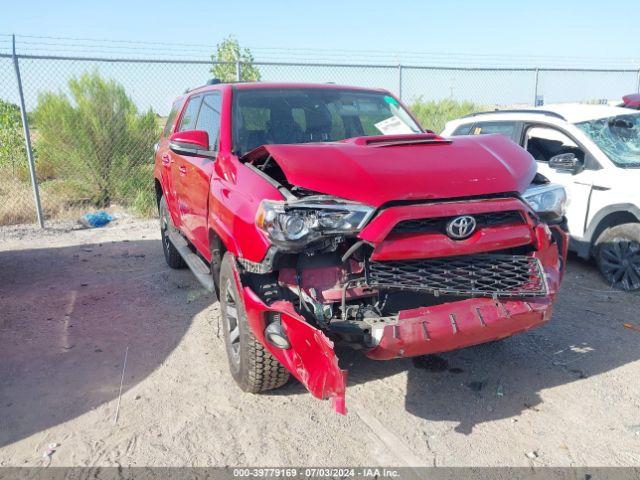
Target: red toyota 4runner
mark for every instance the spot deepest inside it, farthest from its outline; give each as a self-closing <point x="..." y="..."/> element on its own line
<point x="324" y="215"/>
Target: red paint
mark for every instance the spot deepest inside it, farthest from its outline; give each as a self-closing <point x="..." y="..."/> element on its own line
<point x="451" y="326"/>
<point x="310" y="359"/>
<point x="632" y="100"/>
<point x="390" y="246"/>
<point x="374" y="175"/>
<point x="192" y="138"/>
<point x="220" y="196"/>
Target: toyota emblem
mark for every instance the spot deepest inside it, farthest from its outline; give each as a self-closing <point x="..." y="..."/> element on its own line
<point x="461" y="227"/>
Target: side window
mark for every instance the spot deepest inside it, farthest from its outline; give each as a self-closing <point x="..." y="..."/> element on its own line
<point x="209" y="118"/>
<point x="188" y="120"/>
<point x="171" y="118"/>
<point x="462" y="130"/>
<point x="545" y="142"/>
<point x="508" y="129"/>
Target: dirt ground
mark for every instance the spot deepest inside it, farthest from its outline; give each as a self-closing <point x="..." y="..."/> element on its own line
<point x="73" y="302"/>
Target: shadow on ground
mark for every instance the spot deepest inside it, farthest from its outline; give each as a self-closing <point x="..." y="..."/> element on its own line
<point x="67" y="316"/>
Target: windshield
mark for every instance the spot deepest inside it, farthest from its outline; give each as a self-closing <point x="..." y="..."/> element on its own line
<point x="263" y="116"/>
<point x="618" y="137"/>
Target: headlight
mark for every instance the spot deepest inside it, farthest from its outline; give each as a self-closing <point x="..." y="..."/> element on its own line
<point x="548" y="201"/>
<point x="299" y="222"/>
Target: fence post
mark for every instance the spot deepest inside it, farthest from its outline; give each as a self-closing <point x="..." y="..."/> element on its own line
<point x="400" y="81"/>
<point x="27" y="138"/>
<point x="535" y="93"/>
<point x="238" y="72"/>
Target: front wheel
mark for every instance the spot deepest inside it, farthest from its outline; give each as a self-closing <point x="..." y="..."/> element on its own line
<point x="618" y="256"/>
<point x="252" y="366"/>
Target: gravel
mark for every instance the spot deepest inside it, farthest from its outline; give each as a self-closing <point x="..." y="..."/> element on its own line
<point x="72" y="300"/>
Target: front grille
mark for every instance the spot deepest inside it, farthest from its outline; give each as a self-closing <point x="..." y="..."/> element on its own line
<point x="491" y="275"/>
<point x="439" y="224"/>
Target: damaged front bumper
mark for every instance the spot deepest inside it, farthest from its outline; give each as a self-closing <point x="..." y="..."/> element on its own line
<point x="497" y="283"/>
<point x="451" y="326"/>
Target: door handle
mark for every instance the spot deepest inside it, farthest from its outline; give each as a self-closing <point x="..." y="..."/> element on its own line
<point x="166" y="159"/>
<point x="183" y="170"/>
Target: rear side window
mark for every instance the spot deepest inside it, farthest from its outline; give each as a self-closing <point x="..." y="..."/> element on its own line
<point x="462" y="130"/>
<point x="507" y="129"/>
<point x="209" y="118"/>
<point x="188" y="120"/>
<point x="171" y="118"/>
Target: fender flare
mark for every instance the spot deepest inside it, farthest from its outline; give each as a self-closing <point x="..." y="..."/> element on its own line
<point x="599" y="222"/>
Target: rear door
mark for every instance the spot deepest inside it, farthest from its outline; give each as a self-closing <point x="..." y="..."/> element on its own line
<point x="164" y="154"/>
<point x="197" y="178"/>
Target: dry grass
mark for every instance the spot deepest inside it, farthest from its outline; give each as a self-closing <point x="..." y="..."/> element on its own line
<point x="17" y="206"/>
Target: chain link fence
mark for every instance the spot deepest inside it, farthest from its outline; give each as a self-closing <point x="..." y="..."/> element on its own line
<point x="94" y="121"/>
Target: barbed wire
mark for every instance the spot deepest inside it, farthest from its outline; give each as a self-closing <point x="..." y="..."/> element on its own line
<point x="70" y="46"/>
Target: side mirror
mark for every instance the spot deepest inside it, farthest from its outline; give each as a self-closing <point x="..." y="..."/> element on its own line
<point x="566" y="162"/>
<point x="190" y="142"/>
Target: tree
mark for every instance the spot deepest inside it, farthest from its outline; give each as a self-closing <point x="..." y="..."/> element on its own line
<point x="12" y="150"/>
<point x="96" y="136"/>
<point x="229" y="52"/>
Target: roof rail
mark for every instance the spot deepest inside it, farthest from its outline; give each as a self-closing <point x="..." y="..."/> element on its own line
<point x="211" y="81"/>
<point x="522" y="110"/>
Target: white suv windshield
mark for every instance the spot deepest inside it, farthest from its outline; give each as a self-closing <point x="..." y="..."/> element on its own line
<point x="618" y="137"/>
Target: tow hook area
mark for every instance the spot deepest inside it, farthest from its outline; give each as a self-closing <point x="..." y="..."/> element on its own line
<point x="303" y="349"/>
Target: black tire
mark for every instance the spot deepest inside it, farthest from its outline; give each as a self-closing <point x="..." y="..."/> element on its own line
<point x="216" y="264"/>
<point x="171" y="255"/>
<point x="252" y="366"/>
<point x="618" y="256"/>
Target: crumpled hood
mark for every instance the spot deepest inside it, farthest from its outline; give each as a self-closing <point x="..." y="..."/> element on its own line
<point x="377" y="170"/>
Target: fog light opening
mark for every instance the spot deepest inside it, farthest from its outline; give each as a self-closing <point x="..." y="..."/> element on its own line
<point x="274" y="334"/>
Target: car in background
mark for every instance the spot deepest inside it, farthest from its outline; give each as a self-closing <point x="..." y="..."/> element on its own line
<point x="631" y="101"/>
<point x="594" y="152"/>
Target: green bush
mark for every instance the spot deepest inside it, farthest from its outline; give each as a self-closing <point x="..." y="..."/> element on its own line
<point x="98" y="138"/>
<point x="13" y="153"/>
<point x="433" y="115"/>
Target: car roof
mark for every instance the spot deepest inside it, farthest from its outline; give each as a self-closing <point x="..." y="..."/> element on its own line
<point x="570" y="112"/>
<point x="287" y="85"/>
<point x="632" y="99"/>
<point x="580" y="112"/>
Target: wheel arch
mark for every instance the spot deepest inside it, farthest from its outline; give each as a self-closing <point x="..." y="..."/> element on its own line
<point x="607" y="217"/>
<point x="158" y="189"/>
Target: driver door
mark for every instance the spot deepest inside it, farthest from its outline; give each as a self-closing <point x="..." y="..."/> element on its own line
<point x="544" y="142"/>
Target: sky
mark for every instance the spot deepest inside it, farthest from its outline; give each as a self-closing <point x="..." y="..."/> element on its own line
<point x="571" y="28"/>
<point x="495" y="33"/>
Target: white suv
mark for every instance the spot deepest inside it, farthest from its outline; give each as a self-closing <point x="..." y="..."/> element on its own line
<point x="594" y="152"/>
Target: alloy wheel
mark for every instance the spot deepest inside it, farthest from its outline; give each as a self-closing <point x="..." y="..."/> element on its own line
<point x="231" y="320"/>
<point x="620" y="263"/>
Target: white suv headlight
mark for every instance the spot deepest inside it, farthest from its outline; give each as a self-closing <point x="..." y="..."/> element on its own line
<point x="548" y="201"/>
<point x="299" y="222"/>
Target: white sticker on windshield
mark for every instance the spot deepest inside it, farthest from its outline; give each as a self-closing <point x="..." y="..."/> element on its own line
<point x="393" y="126"/>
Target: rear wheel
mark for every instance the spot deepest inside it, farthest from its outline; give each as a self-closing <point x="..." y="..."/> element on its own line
<point x="252" y="366"/>
<point x="171" y="255"/>
<point x="618" y="256"/>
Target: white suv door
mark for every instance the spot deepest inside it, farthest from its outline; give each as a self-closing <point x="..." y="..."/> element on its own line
<point x="544" y="142"/>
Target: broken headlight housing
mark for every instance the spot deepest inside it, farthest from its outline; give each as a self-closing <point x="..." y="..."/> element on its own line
<point x="296" y="223"/>
<point x="548" y="201"/>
